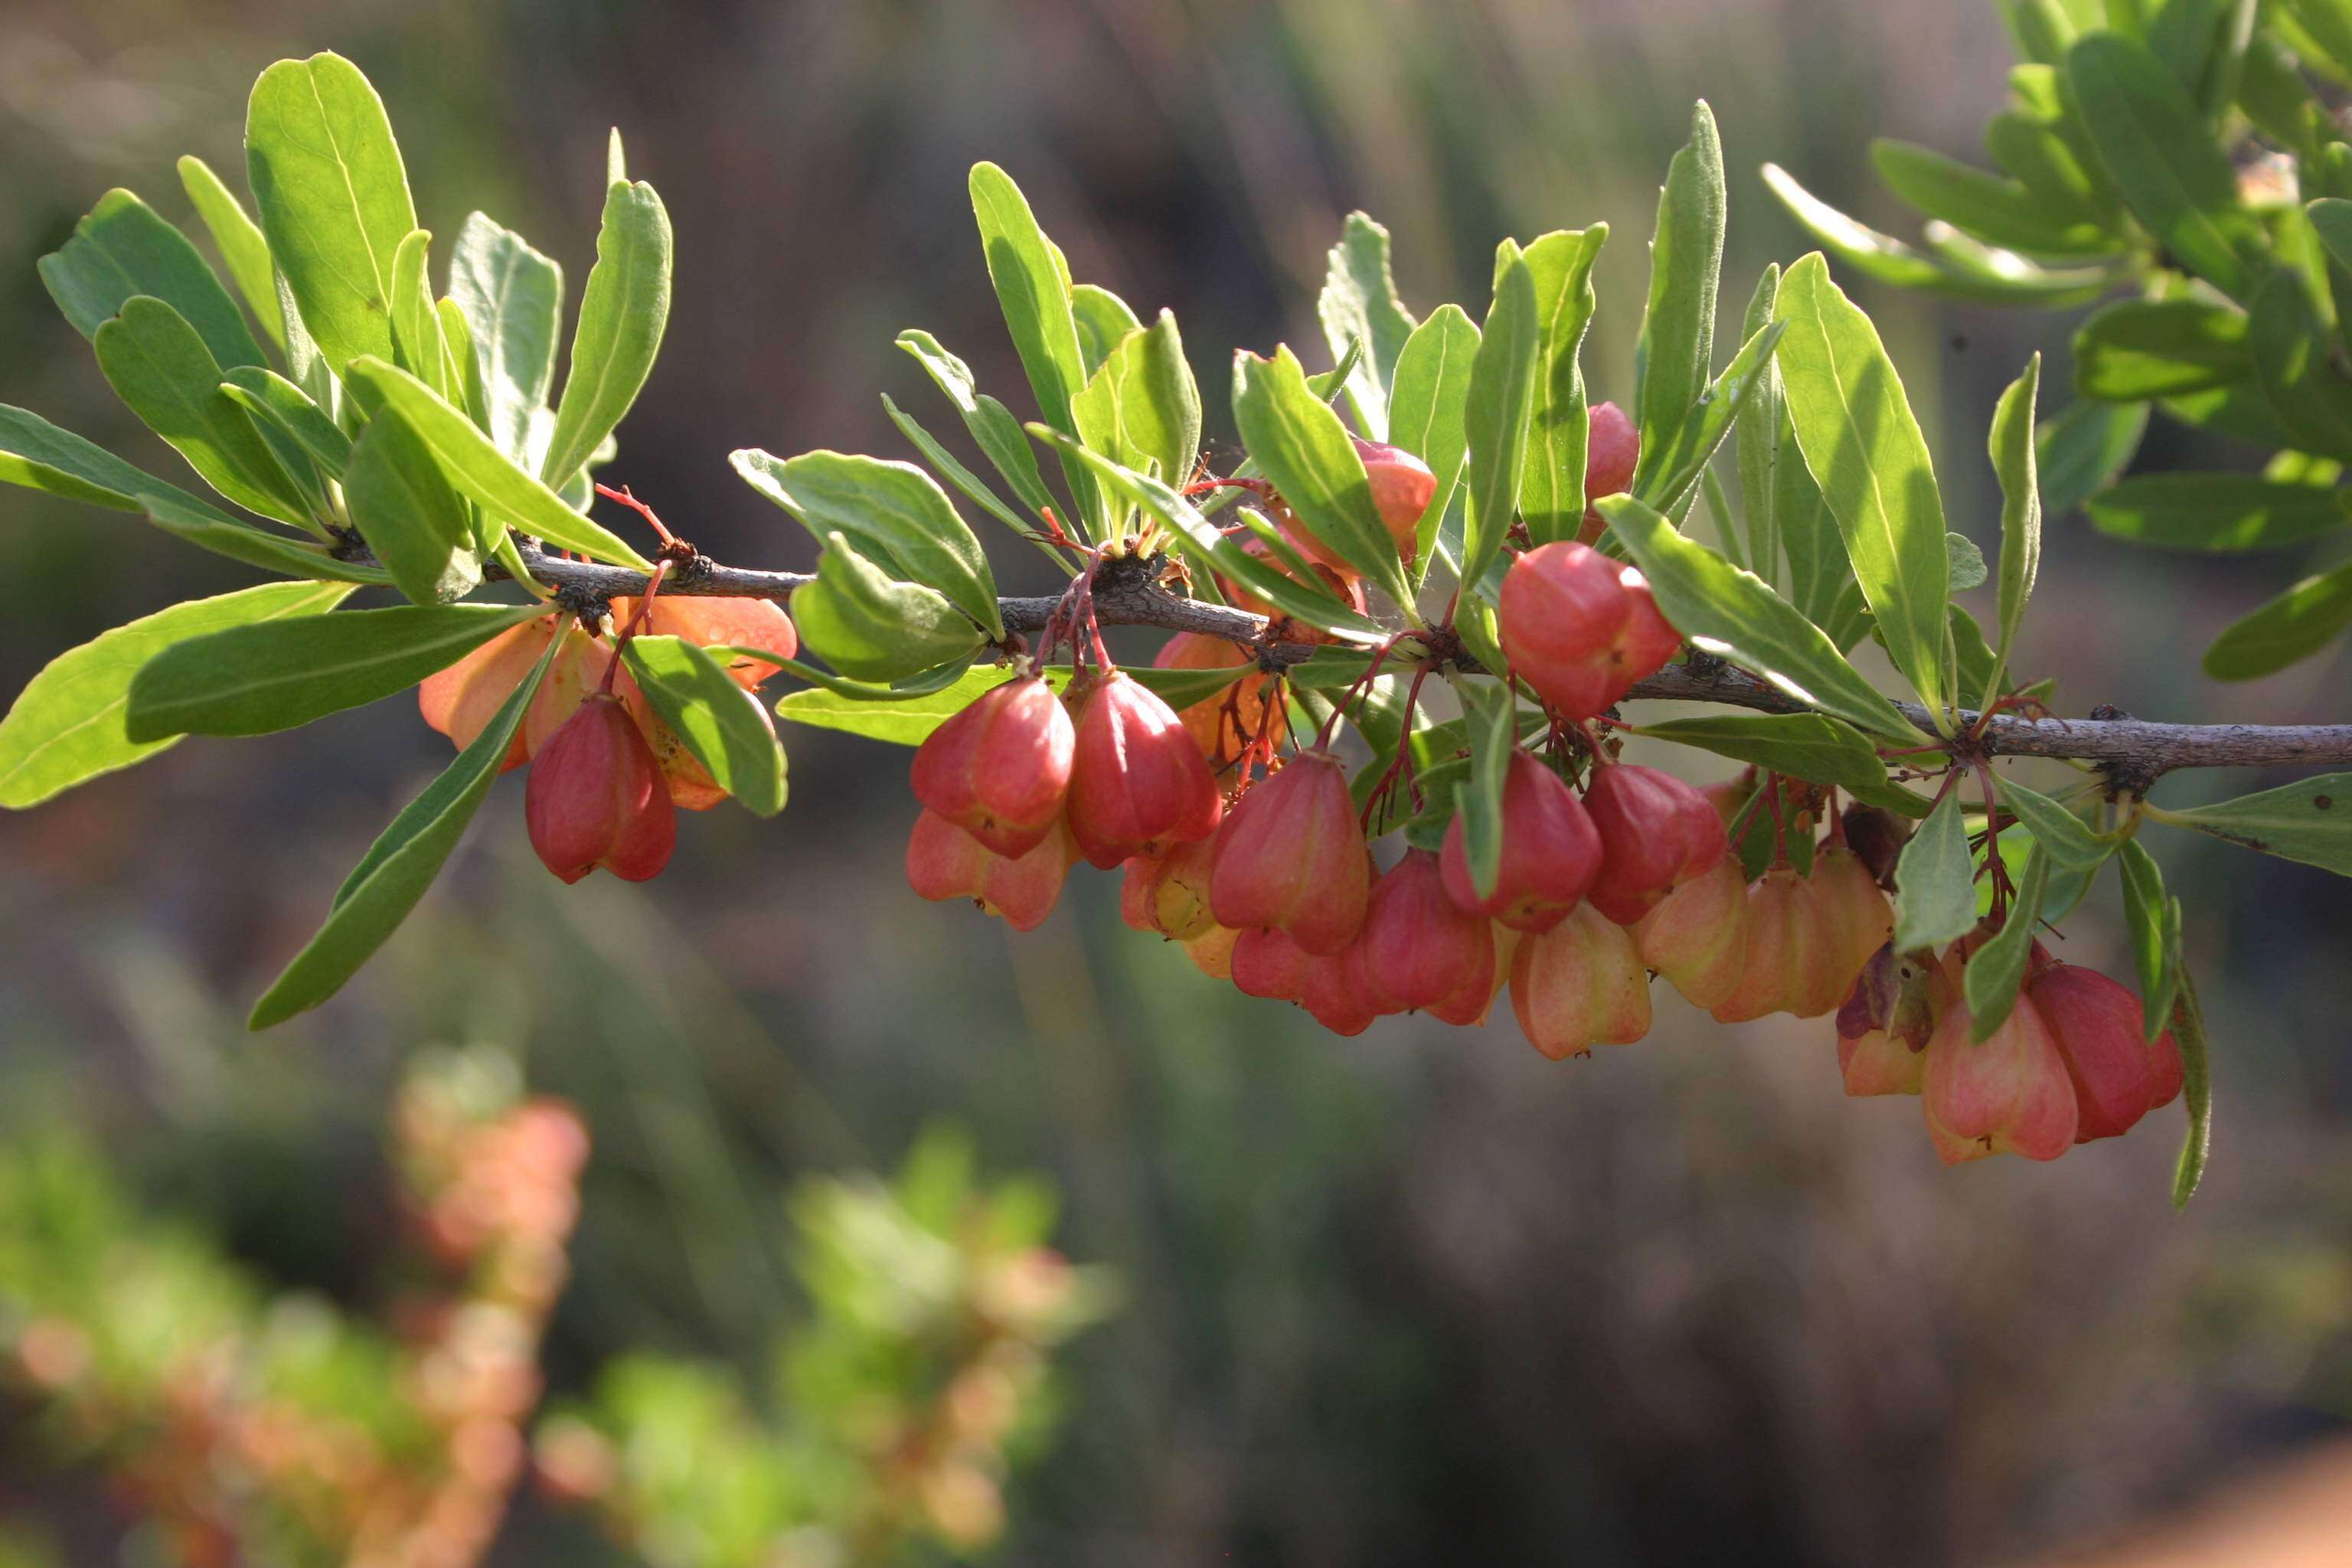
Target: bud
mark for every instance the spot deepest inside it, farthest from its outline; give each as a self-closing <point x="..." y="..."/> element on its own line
<point x="1854" y="921"/>
<point x="595" y="798"/>
<point x="1582" y="628"/>
<point x="1783" y="930"/>
<point x="1697" y="935"/>
<point x="1656" y="833"/>
<point x="1222" y="724"/>
<point x="2099" y="1028"/>
<point x="706" y="620"/>
<point x="1212" y="951"/>
<point x="944" y="862"/>
<point x="1418" y="946"/>
<point x="1579" y="985"/>
<point x="1137" y="784"/>
<point x="1612" y="450"/>
<point x="1000" y="768"/>
<point x="1291" y="854"/>
<point x="1552" y="851"/>
<point x="2009" y="1095"/>
<point x="1402" y="488"/>
<point x="1169" y="895"/>
<point x="461" y="701"/>
<point x="1269" y="964"/>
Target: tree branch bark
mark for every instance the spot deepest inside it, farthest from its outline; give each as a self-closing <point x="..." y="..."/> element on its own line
<point x="2134" y="751"/>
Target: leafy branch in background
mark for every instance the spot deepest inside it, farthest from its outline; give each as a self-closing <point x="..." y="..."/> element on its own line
<point x="1427" y="627"/>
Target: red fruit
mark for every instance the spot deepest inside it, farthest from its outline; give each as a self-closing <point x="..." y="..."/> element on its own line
<point x="2010" y="1095"/>
<point x="1579" y="985"/>
<point x="705" y="620"/>
<point x="1697" y="935"/>
<point x="1212" y="951"/>
<point x="1419" y="947"/>
<point x="595" y="797"/>
<point x="1612" y="450"/>
<point x="1169" y="895"/>
<point x="1000" y="768"/>
<point x="2099" y="1028"/>
<point x="461" y="701"/>
<point x="944" y="862"/>
<point x="1855" y="922"/>
<point x="1656" y="833"/>
<point x="1330" y="989"/>
<point x="1402" y="488"/>
<point x="1291" y="855"/>
<point x="1137" y="784"/>
<point x="577" y="670"/>
<point x="1222" y="724"/>
<point x="1552" y="851"/>
<point x="1267" y="963"/>
<point x="1582" y="628"/>
<point x="1783" y="931"/>
<point x="1468" y="1006"/>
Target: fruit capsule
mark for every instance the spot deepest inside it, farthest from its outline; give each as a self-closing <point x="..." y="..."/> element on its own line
<point x="1656" y="833"/>
<point x="1223" y="724"/>
<point x="595" y="797"/>
<point x="1402" y="488"/>
<point x="1613" y="450"/>
<point x="1001" y="767"/>
<point x="1418" y="947"/>
<point x="1551" y="851"/>
<point x="1696" y="937"/>
<point x="2009" y="1094"/>
<point x="2099" y="1028"/>
<point x="1137" y="784"/>
<point x="1582" y="628"/>
<point x="1579" y="985"/>
<point x="1291" y="855"/>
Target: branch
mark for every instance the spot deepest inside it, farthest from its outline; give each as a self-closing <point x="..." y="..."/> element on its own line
<point x="2134" y="751"/>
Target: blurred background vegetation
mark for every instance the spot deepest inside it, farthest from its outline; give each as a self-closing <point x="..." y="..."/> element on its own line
<point x="1416" y="1297"/>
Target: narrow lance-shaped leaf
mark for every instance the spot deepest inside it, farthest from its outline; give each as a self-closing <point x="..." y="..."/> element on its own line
<point x="2217" y="512"/>
<point x="1725" y="610"/>
<point x="970" y="483"/>
<point x="121" y="250"/>
<point x="1360" y="304"/>
<point x="1034" y="293"/>
<point x="243" y="247"/>
<point x="66" y="727"/>
<point x="2196" y="1090"/>
<point x="2138" y="349"/>
<point x="513" y="298"/>
<point x="1427" y="407"/>
<point x="622" y="311"/>
<point x="398" y="868"/>
<point x="268" y="397"/>
<point x="2145" y="918"/>
<point x="872" y="625"/>
<point x="2080" y="449"/>
<point x="1495" y="419"/>
<point x="2287" y="340"/>
<point x="1672" y="359"/>
<point x="1998" y="211"/>
<point x="2070" y="842"/>
<point x="1298" y="442"/>
<point x="1997" y="968"/>
<point x="1811" y="746"/>
<point x="159" y="366"/>
<point x="1707" y="421"/>
<point x="2309" y="820"/>
<point x="2292" y="626"/>
<point x="405" y="507"/>
<point x="2010" y="445"/>
<point x="990" y="422"/>
<point x="251" y="680"/>
<point x="332" y="196"/>
<point x="1141" y="406"/>
<point x="1551" y="483"/>
<point x="1864" y="449"/>
<point x="1757" y="442"/>
<point x="723" y="725"/>
<point x="1490" y="708"/>
<point x="1935" y="893"/>
<point x="415" y="324"/>
<point x="1103" y="321"/>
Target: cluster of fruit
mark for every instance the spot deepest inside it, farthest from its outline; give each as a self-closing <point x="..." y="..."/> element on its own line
<point x="607" y="775"/>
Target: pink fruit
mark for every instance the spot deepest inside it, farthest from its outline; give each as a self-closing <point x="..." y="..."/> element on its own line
<point x="1137" y="783"/>
<point x="596" y="797"/>
<point x="1579" y="985"/>
<point x="1656" y="833"/>
<point x="1000" y="768"/>
<point x="1291" y="855"/>
<point x="1402" y="488"/>
<point x="1696" y="937"/>
<point x="1582" y="628"/>
<point x="1550" y="852"/>
<point x="1418" y="947"/>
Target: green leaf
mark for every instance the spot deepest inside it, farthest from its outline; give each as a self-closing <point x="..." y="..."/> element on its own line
<point x="1427" y="403"/>
<point x="2327" y="24"/>
<point x="404" y="507"/>
<point x="1995" y="971"/>
<point x="2196" y="1090"/>
<point x="1298" y="442"/>
<point x="1821" y="579"/>
<point x="1359" y="305"/>
<point x="1672" y="360"/>
<point x="66" y="727"/>
<point x="892" y="512"/>
<point x="1033" y="291"/>
<point x="2216" y="513"/>
<point x="1762" y="418"/>
<point x="1727" y="611"/>
<point x="2309" y="820"/>
<point x="2292" y="626"/>
<point x="1490" y="711"/>
<point x="513" y="300"/>
<point x="192" y="523"/>
<point x="2176" y="178"/>
<point x="1708" y="421"/>
<point x="900" y="720"/>
<point x="1102" y="318"/>
<point x="1864" y="449"/>
<point x="990" y="422"/>
<point x="2136" y="350"/>
<point x="1308" y="603"/>
<point x="1934" y="895"/>
<point x="159" y="366"/>
<point x="872" y="625"/>
<point x="399" y="865"/>
<point x="251" y="680"/>
<point x="622" y="311"/>
<point x="334" y="199"/>
<point x="1551" y="483"/>
<point x="272" y="399"/>
<point x="1502" y="376"/>
<point x="721" y="723"/>
<point x="2147" y="920"/>
<point x="122" y="250"/>
<point x="1811" y="746"/>
<point x="1997" y="211"/>
<point x="2050" y="155"/>
<point x="2071" y="843"/>
<point x="2082" y="448"/>
<point x="415" y="324"/>
<point x="964" y="479"/>
<point x="243" y="248"/>
<point x="483" y="474"/>
<point x="39" y="456"/>
<point x="1889" y="260"/>
<point x="1141" y="406"/>
<point x="2010" y="448"/>
<point x="2041" y="29"/>
<point x="2289" y="344"/>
